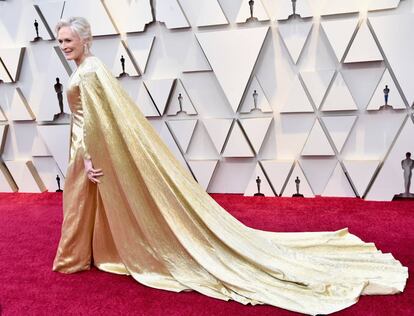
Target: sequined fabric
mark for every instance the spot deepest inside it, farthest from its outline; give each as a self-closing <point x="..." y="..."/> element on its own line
<point x="148" y="218"/>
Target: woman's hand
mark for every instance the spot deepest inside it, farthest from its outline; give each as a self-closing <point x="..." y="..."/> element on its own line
<point x="92" y="173"/>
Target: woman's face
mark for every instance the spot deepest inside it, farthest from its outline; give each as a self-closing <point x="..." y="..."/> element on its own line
<point x="71" y="44"/>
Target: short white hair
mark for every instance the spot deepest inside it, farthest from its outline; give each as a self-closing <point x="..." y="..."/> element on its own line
<point x="79" y="25"/>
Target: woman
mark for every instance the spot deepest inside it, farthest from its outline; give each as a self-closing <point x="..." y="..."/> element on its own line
<point x="140" y="213"/>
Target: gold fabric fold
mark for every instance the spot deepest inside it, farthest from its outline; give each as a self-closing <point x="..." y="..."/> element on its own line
<point x="149" y="218"/>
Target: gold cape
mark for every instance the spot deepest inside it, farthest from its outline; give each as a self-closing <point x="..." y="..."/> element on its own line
<point x="150" y="219"/>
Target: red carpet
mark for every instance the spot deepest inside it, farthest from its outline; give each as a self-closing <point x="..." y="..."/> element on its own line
<point x="30" y="228"/>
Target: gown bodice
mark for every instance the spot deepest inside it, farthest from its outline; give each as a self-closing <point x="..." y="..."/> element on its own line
<point x="76" y="108"/>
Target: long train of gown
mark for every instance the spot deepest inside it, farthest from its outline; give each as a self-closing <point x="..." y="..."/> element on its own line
<point x="149" y="218"/>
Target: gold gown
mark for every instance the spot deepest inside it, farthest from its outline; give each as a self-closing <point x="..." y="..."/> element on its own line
<point x="148" y="218"/>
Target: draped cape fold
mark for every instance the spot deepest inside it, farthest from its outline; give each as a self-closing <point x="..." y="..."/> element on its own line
<point x="154" y="222"/>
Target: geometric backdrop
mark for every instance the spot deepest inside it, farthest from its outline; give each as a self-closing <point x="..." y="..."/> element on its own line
<point x="276" y="96"/>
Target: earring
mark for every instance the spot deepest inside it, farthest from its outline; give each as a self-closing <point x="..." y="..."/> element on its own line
<point x="85" y="49"/>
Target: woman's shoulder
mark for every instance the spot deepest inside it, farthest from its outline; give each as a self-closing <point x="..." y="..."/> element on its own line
<point x="91" y="64"/>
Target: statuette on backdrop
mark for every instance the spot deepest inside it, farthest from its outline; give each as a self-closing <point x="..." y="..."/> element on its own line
<point x="386" y="91"/>
<point x="258" y="182"/>
<point x="180" y="104"/>
<point x="61" y="116"/>
<point x="36" y="26"/>
<point x="59" y="93"/>
<point x="58" y="184"/>
<point x="407" y="165"/>
<point x="251" y="6"/>
<point x="297" y="194"/>
<point x="255" y="96"/>
<point x="123" y="73"/>
<point x="293" y="15"/>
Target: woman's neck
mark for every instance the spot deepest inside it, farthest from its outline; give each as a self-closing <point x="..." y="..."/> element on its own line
<point x="80" y="60"/>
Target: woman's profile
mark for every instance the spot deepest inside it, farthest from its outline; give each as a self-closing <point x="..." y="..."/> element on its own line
<point x="131" y="208"/>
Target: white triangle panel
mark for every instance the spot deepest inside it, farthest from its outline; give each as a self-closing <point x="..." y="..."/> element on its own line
<point x="252" y="188"/>
<point x="231" y="176"/>
<point x="317" y="144"/>
<point x="255" y="99"/>
<point x="39" y="148"/>
<point x="317" y="82"/>
<point x="201" y="146"/>
<point x="130" y="16"/>
<point x="30" y="15"/>
<point x="183" y="131"/>
<point x="382" y="4"/>
<point x="339" y="33"/>
<point x="94" y="12"/>
<point x="141" y="97"/>
<point x="204" y="12"/>
<point x="237" y="145"/>
<point x="4" y="128"/>
<point x="57" y="140"/>
<point x="390" y="179"/>
<point x="170" y="12"/>
<point x="12" y="59"/>
<point x="218" y="130"/>
<point x="7" y="183"/>
<point x="363" y="47"/>
<point x="277" y="171"/>
<point x="339" y="97"/>
<point x="394" y="33"/>
<point x="361" y="172"/>
<point x="140" y="48"/>
<point x="351" y="6"/>
<point x="339" y="128"/>
<point x="294" y="35"/>
<point x="25" y="175"/>
<point x="232" y="55"/>
<point x="180" y="95"/>
<point x="4" y="75"/>
<point x="210" y="14"/>
<point x="145" y="103"/>
<point x="296" y="101"/>
<point x="256" y="130"/>
<point x="160" y="90"/>
<point x="338" y="184"/>
<point x="43" y="97"/>
<point x="339" y="7"/>
<point x="51" y="11"/>
<point x="195" y="59"/>
<point x="116" y="68"/>
<point x="318" y="171"/>
<point x="304" y="187"/>
<point x="48" y="170"/>
<point x="3" y="117"/>
<point x="394" y="97"/>
<point x="203" y="171"/>
<point x="20" y="110"/>
<point x="362" y="79"/>
<point x="110" y="50"/>
<point x="259" y="12"/>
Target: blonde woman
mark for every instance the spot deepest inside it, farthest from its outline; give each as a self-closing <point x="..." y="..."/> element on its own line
<point x="131" y="208"/>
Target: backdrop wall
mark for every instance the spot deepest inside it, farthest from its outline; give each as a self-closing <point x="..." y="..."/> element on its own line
<point x="278" y="96"/>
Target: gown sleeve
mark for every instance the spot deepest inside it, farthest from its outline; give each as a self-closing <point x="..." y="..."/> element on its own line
<point x="86" y="154"/>
<point x="83" y="143"/>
